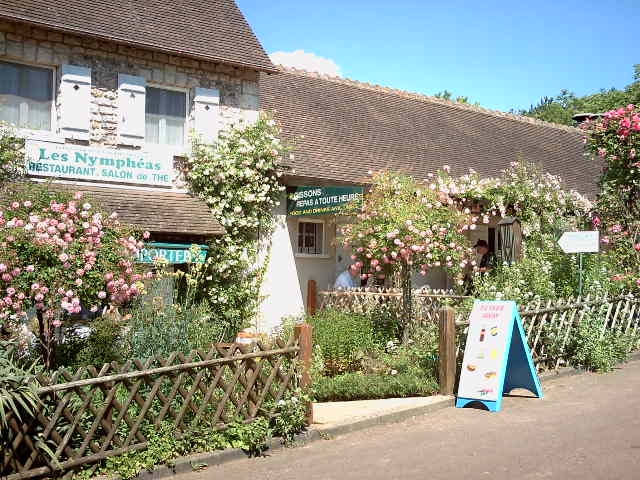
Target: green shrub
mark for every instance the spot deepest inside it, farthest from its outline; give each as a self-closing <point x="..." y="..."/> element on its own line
<point x="357" y="386"/>
<point x="158" y="330"/>
<point x="344" y="339"/>
<point x="593" y="350"/>
<point x="291" y="416"/>
<point x="103" y="345"/>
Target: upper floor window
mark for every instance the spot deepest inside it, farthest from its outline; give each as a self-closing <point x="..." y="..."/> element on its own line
<point x="26" y="96"/>
<point x="166" y="112"/>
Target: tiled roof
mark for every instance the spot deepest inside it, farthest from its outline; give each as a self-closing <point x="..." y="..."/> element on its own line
<point x="214" y="30"/>
<point x="342" y="129"/>
<point x="158" y="212"/>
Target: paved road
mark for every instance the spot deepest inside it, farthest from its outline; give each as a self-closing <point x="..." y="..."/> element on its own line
<point x="586" y="427"/>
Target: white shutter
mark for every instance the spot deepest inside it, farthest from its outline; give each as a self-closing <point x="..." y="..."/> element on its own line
<point x="206" y="113"/>
<point x="75" y="101"/>
<point x="131" y="109"/>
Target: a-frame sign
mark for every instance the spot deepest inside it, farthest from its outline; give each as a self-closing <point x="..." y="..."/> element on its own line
<point x="497" y="358"/>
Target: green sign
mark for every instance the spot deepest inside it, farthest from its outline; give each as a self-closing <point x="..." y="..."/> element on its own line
<point x="310" y="201"/>
<point x="80" y="162"/>
<point x="173" y="253"/>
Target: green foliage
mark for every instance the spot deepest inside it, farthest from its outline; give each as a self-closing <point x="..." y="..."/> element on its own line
<point x="290" y="416"/>
<point x="592" y="349"/>
<point x="103" y="345"/>
<point x="17" y="390"/>
<point x="561" y="108"/>
<point x="447" y="95"/>
<point x="238" y="177"/>
<point x="165" y="444"/>
<point x="358" y="386"/>
<point x="251" y="437"/>
<point x="399" y="370"/>
<point x="544" y="272"/>
<point x="156" y="329"/>
<point x="12" y="159"/>
<point x="344" y="339"/>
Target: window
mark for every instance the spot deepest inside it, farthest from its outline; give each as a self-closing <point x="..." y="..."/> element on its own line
<point x="311" y="238"/>
<point x="26" y="96"/>
<point x="166" y="111"/>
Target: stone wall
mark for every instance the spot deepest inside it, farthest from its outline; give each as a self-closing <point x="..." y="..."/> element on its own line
<point x="238" y="87"/>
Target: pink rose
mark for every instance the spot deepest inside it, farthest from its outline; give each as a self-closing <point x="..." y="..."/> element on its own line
<point x="63" y="257"/>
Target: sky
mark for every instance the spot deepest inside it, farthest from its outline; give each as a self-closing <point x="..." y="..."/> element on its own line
<point x="503" y="54"/>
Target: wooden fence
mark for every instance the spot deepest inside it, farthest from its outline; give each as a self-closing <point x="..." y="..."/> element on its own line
<point x="426" y="302"/>
<point x="550" y="324"/>
<point x="95" y="413"/>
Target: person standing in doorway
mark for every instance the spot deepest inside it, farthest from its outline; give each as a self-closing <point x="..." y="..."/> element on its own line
<point x="488" y="259"/>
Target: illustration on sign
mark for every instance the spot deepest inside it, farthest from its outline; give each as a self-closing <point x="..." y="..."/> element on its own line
<point x="172" y="253"/>
<point x="48" y="159"/>
<point x="496" y="356"/>
<point x="310" y="201"/>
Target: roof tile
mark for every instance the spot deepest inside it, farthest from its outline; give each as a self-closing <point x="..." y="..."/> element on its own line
<point x="342" y="129"/>
<point x="215" y="30"/>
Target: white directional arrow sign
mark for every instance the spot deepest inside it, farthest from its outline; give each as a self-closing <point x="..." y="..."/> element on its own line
<point x="580" y="242"/>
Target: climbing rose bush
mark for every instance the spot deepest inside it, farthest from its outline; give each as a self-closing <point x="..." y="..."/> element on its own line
<point x="239" y="178"/>
<point x="539" y="199"/>
<point x="405" y="225"/>
<point x="58" y="254"/>
<point x="614" y="140"/>
<point x="12" y="163"/>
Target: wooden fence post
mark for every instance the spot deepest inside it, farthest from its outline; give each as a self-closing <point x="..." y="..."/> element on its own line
<point x="312" y="295"/>
<point x="447" y="350"/>
<point x="304" y="336"/>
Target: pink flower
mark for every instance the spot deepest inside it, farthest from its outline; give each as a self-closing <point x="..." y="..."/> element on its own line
<point x="102" y="295"/>
<point x="108" y="277"/>
<point x="94" y="308"/>
<point x="63" y="257"/>
<point x="146" y="235"/>
<point x="637" y="247"/>
<point x="27" y="204"/>
<point x="15" y="205"/>
<point x="77" y="196"/>
<point x="30" y="268"/>
<point x="78" y="281"/>
<point x="56" y="323"/>
<point x="3" y="268"/>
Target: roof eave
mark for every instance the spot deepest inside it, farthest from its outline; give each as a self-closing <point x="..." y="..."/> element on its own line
<point x="210" y="58"/>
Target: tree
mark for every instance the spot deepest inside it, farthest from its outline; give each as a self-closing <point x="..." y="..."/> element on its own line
<point x="407" y="227"/>
<point x="562" y="108"/>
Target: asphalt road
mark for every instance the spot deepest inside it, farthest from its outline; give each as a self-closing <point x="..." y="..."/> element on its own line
<point x="586" y="427"/>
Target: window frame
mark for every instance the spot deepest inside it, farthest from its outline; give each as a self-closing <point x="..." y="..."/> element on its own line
<point x="52" y="134"/>
<point x="177" y="149"/>
<point x="324" y="253"/>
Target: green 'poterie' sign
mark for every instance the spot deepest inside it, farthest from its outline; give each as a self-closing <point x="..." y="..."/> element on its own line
<point x="173" y="253"/>
<point x="310" y="201"/>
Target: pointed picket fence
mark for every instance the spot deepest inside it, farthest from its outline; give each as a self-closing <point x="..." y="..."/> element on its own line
<point x="550" y="324"/>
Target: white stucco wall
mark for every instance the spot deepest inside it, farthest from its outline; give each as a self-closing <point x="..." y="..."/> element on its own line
<point x="280" y="291"/>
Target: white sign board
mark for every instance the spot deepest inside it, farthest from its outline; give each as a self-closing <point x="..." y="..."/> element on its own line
<point x="580" y="242"/>
<point x="77" y="162"/>
<point x="490" y="325"/>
